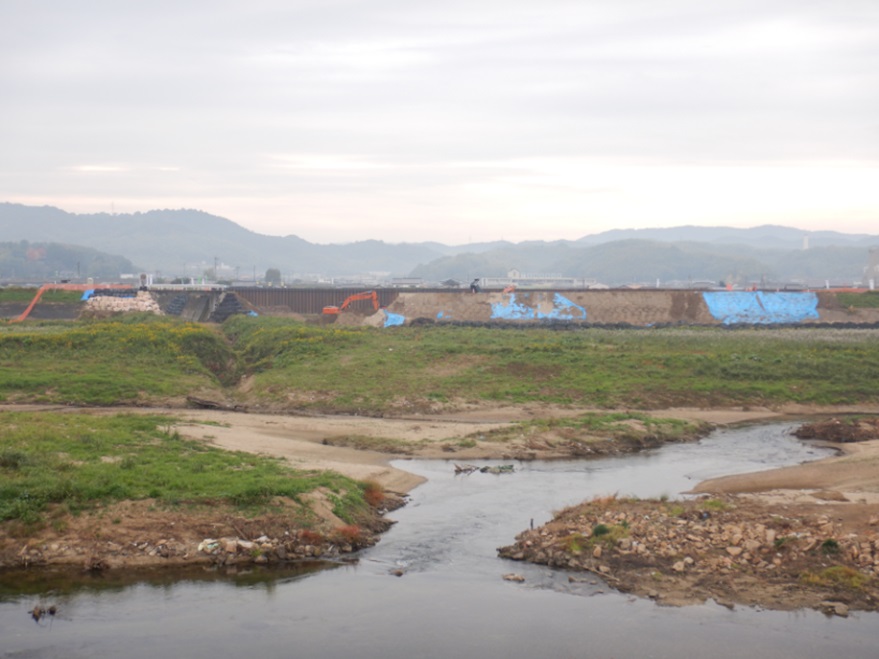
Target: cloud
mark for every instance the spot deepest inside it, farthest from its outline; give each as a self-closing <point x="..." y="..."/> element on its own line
<point x="389" y="118"/>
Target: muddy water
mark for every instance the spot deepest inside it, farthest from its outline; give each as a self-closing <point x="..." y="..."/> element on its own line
<point x="451" y="600"/>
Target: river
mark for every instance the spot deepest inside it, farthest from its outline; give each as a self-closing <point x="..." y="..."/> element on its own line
<point x="451" y="600"/>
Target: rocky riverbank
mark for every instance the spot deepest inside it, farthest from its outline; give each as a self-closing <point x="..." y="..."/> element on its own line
<point x="778" y="549"/>
<point x="141" y="534"/>
<point x="732" y="550"/>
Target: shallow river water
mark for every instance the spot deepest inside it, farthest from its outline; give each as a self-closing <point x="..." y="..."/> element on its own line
<point x="451" y="601"/>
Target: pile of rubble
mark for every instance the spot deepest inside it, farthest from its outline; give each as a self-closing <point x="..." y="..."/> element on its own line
<point x="293" y="545"/>
<point x="107" y="304"/>
<point x="723" y="549"/>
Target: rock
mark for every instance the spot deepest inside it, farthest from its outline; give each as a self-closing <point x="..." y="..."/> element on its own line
<point x="514" y="577"/>
<point x="836" y="608"/>
<point x="596" y="553"/>
<point x="678" y="567"/>
<point x="734" y="551"/>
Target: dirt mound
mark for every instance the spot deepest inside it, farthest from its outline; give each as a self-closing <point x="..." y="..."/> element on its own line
<point x="858" y="429"/>
<point x="733" y="550"/>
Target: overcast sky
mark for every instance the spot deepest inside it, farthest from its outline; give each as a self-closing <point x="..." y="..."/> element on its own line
<point x="447" y="120"/>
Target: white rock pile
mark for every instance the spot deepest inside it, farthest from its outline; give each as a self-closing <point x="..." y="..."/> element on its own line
<point x="142" y="302"/>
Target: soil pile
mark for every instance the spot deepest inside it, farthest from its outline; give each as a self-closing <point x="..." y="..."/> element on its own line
<point x="857" y="429"/>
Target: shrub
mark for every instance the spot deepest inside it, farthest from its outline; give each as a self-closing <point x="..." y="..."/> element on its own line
<point x="373" y="494"/>
<point x="350" y="534"/>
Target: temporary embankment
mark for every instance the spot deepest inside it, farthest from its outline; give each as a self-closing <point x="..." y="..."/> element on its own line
<point x="639" y="307"/>
<point x="630" y="307"/>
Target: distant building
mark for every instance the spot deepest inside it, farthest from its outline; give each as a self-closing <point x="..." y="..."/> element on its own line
<point x="519" y="280"/>
<point x="407" y="282"/>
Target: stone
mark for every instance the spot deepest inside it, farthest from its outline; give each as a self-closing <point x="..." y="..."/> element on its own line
<point x="678" y="567"/>
<point x="734" y="551"/>
<point x="514" y="577"/>
<point x="752" y="545"/>
<point x="836" y="608"/>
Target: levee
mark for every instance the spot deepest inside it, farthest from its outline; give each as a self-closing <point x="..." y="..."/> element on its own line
<point x="639" y="307"/>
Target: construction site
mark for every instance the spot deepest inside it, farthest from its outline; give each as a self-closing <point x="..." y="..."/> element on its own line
<point x="388" y="307"/>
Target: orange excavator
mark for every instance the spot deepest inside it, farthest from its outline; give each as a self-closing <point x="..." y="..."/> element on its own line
<point x="59" y="287"/>
<point x="365" y="295"/>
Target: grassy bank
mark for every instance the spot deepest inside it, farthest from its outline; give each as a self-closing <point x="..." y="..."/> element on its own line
<point x="292" y="365"/>
<point x="361" y="370"/>
<point x="25" y="295"/>
<point x="138" y="360"/>
<point x="79" y="461"/>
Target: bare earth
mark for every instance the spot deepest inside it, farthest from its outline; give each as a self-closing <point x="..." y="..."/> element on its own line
<point x="842" y="491"/>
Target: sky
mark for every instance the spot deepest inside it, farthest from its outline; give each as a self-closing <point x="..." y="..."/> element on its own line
<point x="446" y="120"/>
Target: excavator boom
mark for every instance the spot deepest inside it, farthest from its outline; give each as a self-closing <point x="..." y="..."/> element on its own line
<point x="57" y="287"/>
<point x="365" y="295"/>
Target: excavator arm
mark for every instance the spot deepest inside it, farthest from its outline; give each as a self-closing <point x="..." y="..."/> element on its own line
<point x="365" y="295"/>
<point x="57" y="287"/>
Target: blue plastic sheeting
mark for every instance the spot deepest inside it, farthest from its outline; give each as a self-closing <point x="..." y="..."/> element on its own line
<point x="758" y="307"/>
<point x="563" y="309"/>
<point x="440" y="315"/>
<point x="393" y="319"/>
<point x="87" y="294"/>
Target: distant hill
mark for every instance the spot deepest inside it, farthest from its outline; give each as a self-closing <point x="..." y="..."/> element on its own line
<point x="767" y="236"/>
<point x="170" y="241"/>
<point x="188" y="242"/>
<point x="646" y="261"/>
<point x="24" y="260"/>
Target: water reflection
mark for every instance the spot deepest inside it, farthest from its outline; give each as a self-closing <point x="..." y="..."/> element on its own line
<point x="63" y="582"/>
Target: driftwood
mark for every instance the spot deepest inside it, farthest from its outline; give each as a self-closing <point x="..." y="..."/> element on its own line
<point x="499" y="469"/>
<point x="214" y="405"/>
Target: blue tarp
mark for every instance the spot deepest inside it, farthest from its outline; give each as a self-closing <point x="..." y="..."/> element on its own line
<point x="759" y="307"/>
<point x="393" y="319"/>
<point x="563" y="309"/>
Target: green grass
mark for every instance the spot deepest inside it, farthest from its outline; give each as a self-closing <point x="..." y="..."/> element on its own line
<point x="866" y="300"/>
<point x="837" y="576"/>
<point x="111" y="362"/>
<point x="79" y="460"/>
<point x="382" y="444"/>
<point x="405" y="370"/>
<point x="633" y="427"/>
<point x="364" y="370"/>
<point x="19" y="295"/>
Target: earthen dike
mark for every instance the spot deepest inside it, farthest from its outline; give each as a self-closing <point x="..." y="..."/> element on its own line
<point x="610" y="307"/>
